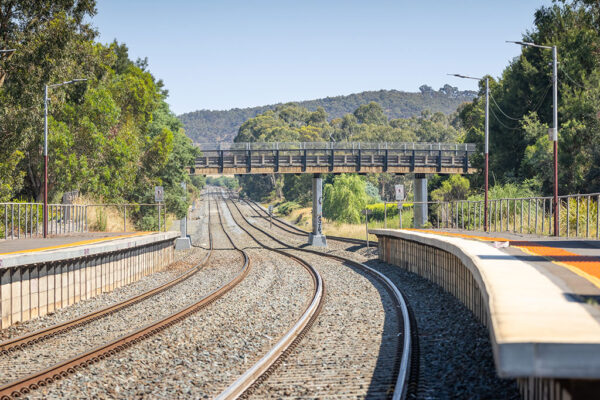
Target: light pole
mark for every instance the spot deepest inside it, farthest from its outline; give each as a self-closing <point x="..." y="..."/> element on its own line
<point x="46" y="148"/>
<point x="7" y="51"/>
<point x="486" y="145"/>
<point x="554" y="129"/>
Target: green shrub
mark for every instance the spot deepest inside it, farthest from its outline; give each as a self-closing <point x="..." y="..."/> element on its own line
<point x="378" y="211"/>
<point x="287" y="207"/>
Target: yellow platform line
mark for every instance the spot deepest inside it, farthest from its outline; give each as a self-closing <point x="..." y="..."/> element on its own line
<point x="547" y="252"/>
<point x="74" y="244"/>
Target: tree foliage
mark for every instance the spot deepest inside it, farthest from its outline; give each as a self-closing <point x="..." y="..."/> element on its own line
<point x="345" y="198"/>
<point x="208" y="126"/>
<point x="521" y="107"/>
<point x="112" y="137"/>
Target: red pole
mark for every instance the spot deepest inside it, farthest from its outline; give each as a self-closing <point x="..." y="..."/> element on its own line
<point x="555" y="200"/>
<point x="46" y="195"/>
<point x="45" y="161"/>
<point x="485" y="204"/>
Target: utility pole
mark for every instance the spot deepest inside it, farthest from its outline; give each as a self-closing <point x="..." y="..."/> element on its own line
<point x="486" y="144"/>
<point x="554" y="129"/>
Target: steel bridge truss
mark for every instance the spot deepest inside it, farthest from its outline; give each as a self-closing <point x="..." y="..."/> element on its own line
<point x="333" y="157"/>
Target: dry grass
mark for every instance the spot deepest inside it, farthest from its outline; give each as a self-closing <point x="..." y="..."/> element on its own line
<point x="303" y="219"/>
<point x="110" y="218"/>
<point x="103" y="218"/>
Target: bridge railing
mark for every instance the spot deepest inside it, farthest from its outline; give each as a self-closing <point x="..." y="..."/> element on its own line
<point x="578" y="215"/>
<point x="25" y="220"/>
<point x="399" y="146"/>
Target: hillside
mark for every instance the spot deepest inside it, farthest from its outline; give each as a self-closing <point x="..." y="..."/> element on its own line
<point x="222" y="126"/>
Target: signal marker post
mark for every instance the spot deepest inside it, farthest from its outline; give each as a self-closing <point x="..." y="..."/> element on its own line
<point x="183" y="242"/>
<point x="366" y="213"/>
<point x="399" y="198"/>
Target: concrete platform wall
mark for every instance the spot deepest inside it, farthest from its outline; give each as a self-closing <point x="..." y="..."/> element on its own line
<point x="40" y="285"/>
<point x="448" y="271"/>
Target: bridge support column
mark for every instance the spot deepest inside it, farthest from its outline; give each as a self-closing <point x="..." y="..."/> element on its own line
<point x="420" y="210"/>
<point x="316" y="237"/>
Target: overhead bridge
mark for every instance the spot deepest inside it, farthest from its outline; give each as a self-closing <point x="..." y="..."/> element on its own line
<point x="333" y="157"/>
<point x="317" y="158"/>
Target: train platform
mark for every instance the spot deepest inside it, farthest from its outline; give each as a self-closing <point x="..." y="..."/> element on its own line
<point x="38" y="276"/>
<point x="573" y="263"/>
<point x="21" y="252"/>
<point x="538" y="296"/>
<point x="31" y="245"/>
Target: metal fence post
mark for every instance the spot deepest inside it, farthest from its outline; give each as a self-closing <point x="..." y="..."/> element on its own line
<point x="577" y="217"/>
<point x="543" y="216"/>
<point x="158" y="207"/>
<point x="501" y="217"/>
<point x="536" y="215"/>
<point x="384" y="215"/>
<point x="568" y="217"/>
<point x="587" y="218"/>
<point x="529" y="216"/>
<point x="559" y="202"/>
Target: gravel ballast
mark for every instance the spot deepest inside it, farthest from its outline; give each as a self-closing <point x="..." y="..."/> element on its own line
<point x="456" y="354"/>
<point x="351" y="349"/>
<point x="204" y="353"/>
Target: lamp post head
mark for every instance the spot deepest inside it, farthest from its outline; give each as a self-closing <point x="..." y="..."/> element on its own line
<point x="526" y="44"/>
<point x="465" y="77"/>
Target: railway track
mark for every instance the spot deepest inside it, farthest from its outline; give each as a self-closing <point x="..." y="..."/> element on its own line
<point x="402" y="362"/>
<point x="253" y="376"/>
<point x="36" y="337"/>
<point x="251" y="380"/>
<point x="24" y="385"/>
<point x="290" y="228"/>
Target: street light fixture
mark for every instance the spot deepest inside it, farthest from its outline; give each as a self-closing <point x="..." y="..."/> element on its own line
<point x="7" y="51"/>
<point x="486" y="141"/>
<point x="554" y="129"/>
<point x="46" y="147"/>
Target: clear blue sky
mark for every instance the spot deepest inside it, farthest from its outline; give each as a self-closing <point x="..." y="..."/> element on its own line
<point x="222" y="54"/>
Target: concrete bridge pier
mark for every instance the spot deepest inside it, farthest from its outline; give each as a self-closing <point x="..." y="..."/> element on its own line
<point x="316" y="237"/>
<point x="420" y="210"/>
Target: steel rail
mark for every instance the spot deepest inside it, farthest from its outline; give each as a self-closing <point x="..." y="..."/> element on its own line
<point x="404" y="368"/>
<point x="22" y="386"/>
<point x="20" y="342"/>
<point x="248" y="380"/>
<point x="305" y="233"/>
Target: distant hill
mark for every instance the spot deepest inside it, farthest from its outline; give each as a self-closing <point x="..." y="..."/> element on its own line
<point x="208" y="126"/>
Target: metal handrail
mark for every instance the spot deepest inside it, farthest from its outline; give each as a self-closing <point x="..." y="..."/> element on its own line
<point x="25" y="220"/>
<point x="283" y="146"/>
<point x="578" y="215"/>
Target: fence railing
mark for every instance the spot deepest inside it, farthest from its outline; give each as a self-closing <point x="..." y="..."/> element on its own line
<point x="578" y="215"/>
<point x="25" y="220"/>
<point x="404" y="146"/>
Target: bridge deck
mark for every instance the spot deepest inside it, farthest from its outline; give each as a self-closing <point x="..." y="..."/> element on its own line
<point x="253" y="158"/>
